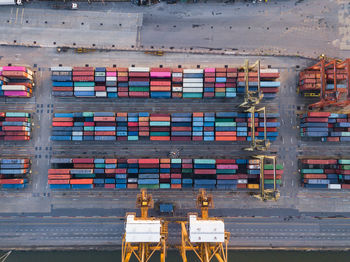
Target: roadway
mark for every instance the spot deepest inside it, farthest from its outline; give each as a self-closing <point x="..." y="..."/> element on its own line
<point x="79" y="231"/>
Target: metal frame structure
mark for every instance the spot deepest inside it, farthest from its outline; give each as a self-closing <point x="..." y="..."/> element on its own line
<point x="5" y="256"/>
<point x="251" y="97"/>
<point x="267" y="194"/>
<point x="333" y="96"/>
<point x="205" y="252"/>
<point x="144" y="251"/>
<point x="257" y="144"/>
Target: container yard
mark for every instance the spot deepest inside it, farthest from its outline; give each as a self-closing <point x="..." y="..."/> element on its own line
<point x="145" y="82"/>
<point x="226" y="174"/>
<point x="16" y="81"/>
<point x="15" y="126"/>
<point x="177" y="106"/>
<point x="199" y="126"/>
<point x="14" y="173"/>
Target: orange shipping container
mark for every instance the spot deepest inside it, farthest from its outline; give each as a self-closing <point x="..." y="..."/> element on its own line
<point x="81" y="181"/>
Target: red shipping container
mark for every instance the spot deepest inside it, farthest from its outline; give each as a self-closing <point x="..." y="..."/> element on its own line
<point x="180" y="138"/>
<point x="83" y="160"/>
<point x="164" y="176"/>
<point x="149" y="161"/>
<point x="241" y="186"/>
<point x="132" y="186"/>
<point x="205" y="171"/>
<point x="58" y="181"/>
<point x="59" y="171"/>
<point x="160" y="138"/>
<point x="62" y="123"/>
<point x="109" y="186"/>
<point x="11" y="181"/>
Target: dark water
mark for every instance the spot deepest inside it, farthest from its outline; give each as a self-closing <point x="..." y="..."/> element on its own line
<point x="234" y="256"/>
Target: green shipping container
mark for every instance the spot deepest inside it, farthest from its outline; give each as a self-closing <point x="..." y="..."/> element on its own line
<point x="159" y="123"/>
<point x="16" y="114"/>
<point x="84" y="84"/>
<point x="99" y="165"/>
<point x="192" y="95"/>
<point x="148" y="186"/>
<point x="345" y="167"/>
<point x="270" y="181"/>
<point x="138" y="89"/>
<point x="133" y="138"/>
<point x="204" y="161"/>
<point x="225" y="123"/>
<point x="312" y="171"/>
<point x="344" y="161"/>
<point x="84" y="175"/>
<point x="163" y="186"/>
<point x="225" y="171"/>
<point x="89" y="128"/>
<point x="270" y="167"/>
<point x="176" y="161"/>
<point x="159" y="133"/>
<point x="88" y="114"/>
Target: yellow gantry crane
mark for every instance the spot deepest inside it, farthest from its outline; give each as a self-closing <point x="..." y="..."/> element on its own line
<point x="251" y="97"/>
<point x="144" y="235"/>
<point x="267" y="194"/>
<point x="257" y="144"/>
<point x="205" y="236"/>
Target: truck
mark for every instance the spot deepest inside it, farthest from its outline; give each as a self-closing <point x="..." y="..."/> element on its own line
<point x="10" y="2"/>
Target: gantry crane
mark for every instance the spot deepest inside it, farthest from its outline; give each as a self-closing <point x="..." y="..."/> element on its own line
<point x="144" y="235"/>
<point x="204" y="235"/>
<point x="257" y="144"/>
<point x="332" y="97"/>
<point x="5" y="256"/>
<point x="251" y="97"/>
<point x="267" y="194"/>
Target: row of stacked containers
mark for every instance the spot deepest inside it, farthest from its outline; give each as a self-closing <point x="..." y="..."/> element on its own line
<point x="325" y="126"/>
<point x="15" y="126"/>
<point x="14" y="172"/>
<point x="16" y="81"/>
<point x="159" y="82"/>
<point x="220" y="126"/>
<point x="325" y="173"/>
<point x="226" y="174"/>
<point x="310" y="81"/>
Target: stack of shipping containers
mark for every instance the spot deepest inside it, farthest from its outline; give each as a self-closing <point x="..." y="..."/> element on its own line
<point x="62" y="81"/>
<point x="197" y="126"/>
<point x="226" y="174"/>
<point x="325" y="126"/>
<point x="16" y="81"/>
<point x="14" y="173"/>
<point x="15" y="126"/>
<point x="220" y="82"/>
<point x="160" y="127"/>
<point x="209" y="82"/>
<point x="100" y="82"/>
<point x="123" y="81"/>
<point x="192" y="83"/>
<point x="325" y="173"/>
<point x="161" y="83"/>
<point x="177" y="82"/>
<point x="122" y="126"/>
<point x="83" y="78"/>
<point x="139" y="82"/>
<point x="181" y="126"/>
<point x="111" y="82"/>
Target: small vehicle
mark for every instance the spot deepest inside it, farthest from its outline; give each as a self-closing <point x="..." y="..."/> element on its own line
<point x="159" y="53"/>
<point x="74" y="6"/>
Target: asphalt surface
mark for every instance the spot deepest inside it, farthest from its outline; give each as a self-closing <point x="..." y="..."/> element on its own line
<point x="38" y="216"/>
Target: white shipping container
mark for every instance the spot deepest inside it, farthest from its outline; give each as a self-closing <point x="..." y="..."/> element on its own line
<point x="193" y="80"/>
<point x="268" y="70"/>
<point x="192" y="84"/>
<point x="193" y="71"/>
<point x="61" y="68"/>
<point x="177" y="74"/>
<point x="112" y="89"/>
<point x="7" y="2"/>
<point x="111" y="78"/>
<point x="138" y="69"/>
<point x="77" y="133"/>
<point x="334" y="186"/>
<point x="242" y="181"/>
<point x="177" y="88"/>
<point x="253" y="166"/>
<point x="84" y="88"/>
<point x="100" y="73"/>
<point x="101" y="94"/>
<point x="13" y="88"/>
<point x="192" y="90"/>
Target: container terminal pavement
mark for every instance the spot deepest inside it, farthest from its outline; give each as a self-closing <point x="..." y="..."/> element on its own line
<point x="177" y="171"/>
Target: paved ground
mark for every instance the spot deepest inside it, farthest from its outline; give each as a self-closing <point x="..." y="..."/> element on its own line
<point x="292" y="217"/>
<point x="307" y="28"/>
